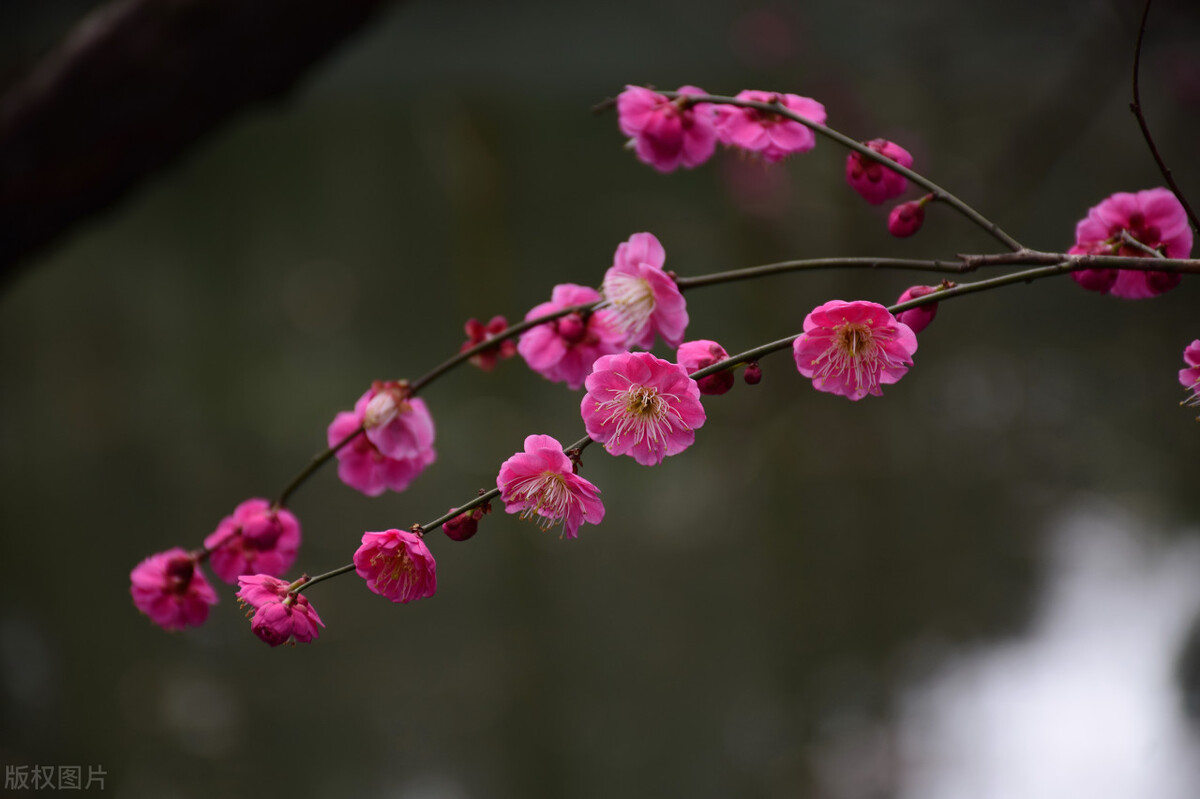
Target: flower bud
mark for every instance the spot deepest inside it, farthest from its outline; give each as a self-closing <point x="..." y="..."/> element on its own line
<point x="917" y="318"/>
<point x="907" y="218"/>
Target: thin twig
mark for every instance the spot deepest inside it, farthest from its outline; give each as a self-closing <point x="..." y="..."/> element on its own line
<point x="1136" y="108"/>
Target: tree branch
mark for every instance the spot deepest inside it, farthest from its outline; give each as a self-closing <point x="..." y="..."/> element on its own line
<point x="132" y="87"/>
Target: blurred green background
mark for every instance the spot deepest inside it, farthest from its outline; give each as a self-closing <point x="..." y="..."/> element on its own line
<point x="783" y="611"/>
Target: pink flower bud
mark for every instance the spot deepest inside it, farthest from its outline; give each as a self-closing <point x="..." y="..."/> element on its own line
<point x="871" y="179"/>
<point x="753" y="374"/>
<point x="696" y="355"/>
<point x="906" y="218"/>
<point x="917" y="318"/>
<point x="465" y="524"/>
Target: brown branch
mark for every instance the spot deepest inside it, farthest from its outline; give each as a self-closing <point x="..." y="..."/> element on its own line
<point x="1136" y="108"/>
<point x="133" y="86"/>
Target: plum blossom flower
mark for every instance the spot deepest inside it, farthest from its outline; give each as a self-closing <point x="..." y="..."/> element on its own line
<point x="906" y="218"/>
<point x="256" y="539"/>
<point x="696" y="355"/>
<point x="398" y="425"/>
<point x="1155" y="219"/>
<point x="853" y="348"/>
<point x="871" y="179"/>
<point x="917" y="318"/>
<point x="541" y="482"/>
<point x="477" y="333"/>
<point x="170" y="588"/>
<point x="641" y="406"/>
<point x="771" y="135"/>
<point x="1189" y="378"/>
<point x="565" y="349"/>
<point x="667" y="133"/>
<point x="396" y="564"/>
<point x="361" y="464"/>
<point x="279" y="615"/>
<point x="644" y="299"/>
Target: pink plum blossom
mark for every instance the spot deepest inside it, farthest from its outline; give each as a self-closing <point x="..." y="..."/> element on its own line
<point x="853" y="348"/>
<point x="396" y="564"/>
<point x="696" y="355"/>
<point x="256" y="539"/>
<point x="541" y="482"/>
<point x="170" y="588"/>
<point x="641" y="406"/>
<point x="871" y="179"/>
<point x="917" y="318"/>
<point x="1154" y="218"/>
<point x="667" y="133"/>
<point x="906" y="218"/>
<point x="1189" y="378"/>
<point x="564" y="349"/>
<point x="645" y="300"/>
<point x="279" y="615"/>
<point x="362" y="466"/>
<point x="398" y="425"/>
<point x="477" y="333"/>
<point x="771" y="135"/>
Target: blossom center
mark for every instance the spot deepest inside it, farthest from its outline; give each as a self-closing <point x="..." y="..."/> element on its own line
<point x="395" y="569"/>
<point x="854" y="351"/>
<point x="548" y="495"/>
<point x="641" y="412"/>
<point x="632" y="299"/>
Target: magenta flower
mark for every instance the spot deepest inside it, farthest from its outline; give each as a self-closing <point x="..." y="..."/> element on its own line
<point x="695" y="355"/>
<point x="565" y="349"/>
<point x="644" y="298"/>
<point x="906" y="218"/>
<point x="917" y="318"/>
<point x="398" y="425"/>
<point x="769" y="134"/>
<point x="477" y="333"/>
<point x="361" y="465"/>
<point x="170" y="588"/>
<point x="1189" y="378"/>
<point x="256" y="539"/>
<point x="396" y="564"/>
<point x="853" y="348"/>
<point x="874" y="181"/>
<point x="641" y="406"/>
<point x="667" y="133"/>
<point x="279" y="615"/>
<point x="1154" y="218"/>
<point x="541" y="482"/>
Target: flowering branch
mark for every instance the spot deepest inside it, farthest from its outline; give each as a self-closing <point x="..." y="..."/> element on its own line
<point x="938" y="192"/>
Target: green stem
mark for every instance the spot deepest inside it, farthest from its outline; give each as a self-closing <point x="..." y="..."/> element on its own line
<point x="312" y="467"/>
<point x="938" y="192"/>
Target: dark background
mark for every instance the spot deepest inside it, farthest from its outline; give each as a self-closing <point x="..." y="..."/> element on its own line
<point x="769" y="614"/>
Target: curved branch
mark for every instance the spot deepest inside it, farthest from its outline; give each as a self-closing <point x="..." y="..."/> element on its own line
<point x="133" y="86"/>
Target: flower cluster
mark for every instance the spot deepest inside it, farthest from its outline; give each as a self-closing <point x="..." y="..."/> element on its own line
<point x="396" y="443"/>
<point x="1136" y="225"/>
<point x="634" y="404"/>
<point x="277" y="613"/>
<point x="668" y="133"/>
